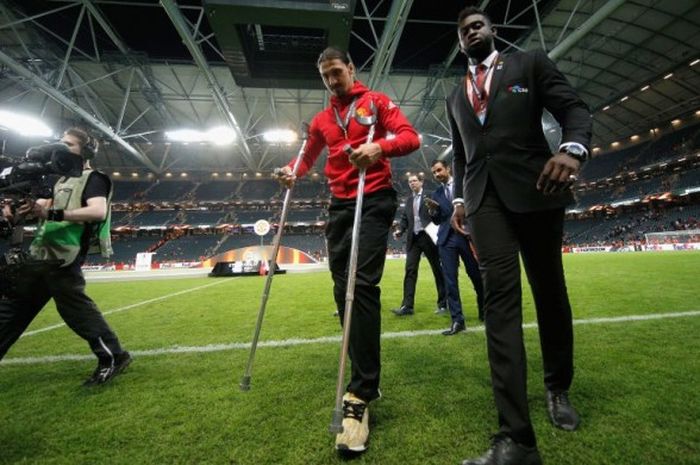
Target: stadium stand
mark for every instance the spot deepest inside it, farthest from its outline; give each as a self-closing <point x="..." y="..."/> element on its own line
<point x="621" y="196"/>
<point x="216" y="190"/>
<point x="308" y="189"/>
<point x="125" y="249"/>
<point x="154" y="218"/>
<point x="306" y="215"/>
<point x="186" y="248"/>
<point x="169" y="190"/>
<point x="129" y="190"/>
<point x="195" y="217"/>
<point x="259" y="190"/>
<point x="250" y="217"/>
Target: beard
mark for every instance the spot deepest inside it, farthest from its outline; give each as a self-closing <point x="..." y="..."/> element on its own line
<point x="480" y="48"/>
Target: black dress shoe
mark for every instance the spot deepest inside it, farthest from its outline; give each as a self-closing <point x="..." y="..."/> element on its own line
<point x="505" y="451"/>
<point x="457" y="327"/>
<point x="562" y="414"/>
<point x="403" y="311"/>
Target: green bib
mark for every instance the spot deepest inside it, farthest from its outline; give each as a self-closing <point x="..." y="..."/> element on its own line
<point x="60" y="240"/>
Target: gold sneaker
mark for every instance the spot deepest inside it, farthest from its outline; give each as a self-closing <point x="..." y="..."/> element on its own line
<point x="355" y="425"/>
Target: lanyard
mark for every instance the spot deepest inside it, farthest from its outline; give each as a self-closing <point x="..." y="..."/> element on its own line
<point x="472" y="80"/>
<point x="343" y="124"/>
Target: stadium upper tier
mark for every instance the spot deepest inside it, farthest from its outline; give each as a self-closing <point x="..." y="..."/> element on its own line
<point x="632" y="171"/>
<point x="654" y="150"/>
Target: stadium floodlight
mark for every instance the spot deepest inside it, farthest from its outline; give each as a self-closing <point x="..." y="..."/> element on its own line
<point x="185" y="135"/>
<point x="221" y="135"/>
<point x="25" y="125"/>
<point x="280" y="136"/>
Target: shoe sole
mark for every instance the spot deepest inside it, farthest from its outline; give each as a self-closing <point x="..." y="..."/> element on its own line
<point x="564" y="427"/>
<point x="345" y="448"/>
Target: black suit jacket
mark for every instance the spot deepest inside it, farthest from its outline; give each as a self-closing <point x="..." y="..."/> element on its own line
<point x="406" y="224"/>
<point x="510" y="147"/>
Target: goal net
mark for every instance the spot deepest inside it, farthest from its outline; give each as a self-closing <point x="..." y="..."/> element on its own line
<point x="673" y="240"/>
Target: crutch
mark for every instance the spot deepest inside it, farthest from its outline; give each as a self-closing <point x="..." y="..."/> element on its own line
<point x="337" y="420"/>
<point x="245" y="381"/>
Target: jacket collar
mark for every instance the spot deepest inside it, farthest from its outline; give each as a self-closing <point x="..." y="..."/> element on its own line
<point x="358" y="88"/>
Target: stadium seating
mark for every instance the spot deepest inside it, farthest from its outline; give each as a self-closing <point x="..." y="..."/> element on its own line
<point x="187" y="248"/>
<point x="216" y="190"/>
<point x="215" y="201"/>
<point x="194" y="217"/>
<point x="305" y="215"/>
<point x="169" y="190"/>
<point x="309" y="243"/>
<point x="125" y="249"/>
<point x="129" y="190"/>
<point x="260" y="189"/>
<point x="250" y="217"/>
<point x="154" y="218"/>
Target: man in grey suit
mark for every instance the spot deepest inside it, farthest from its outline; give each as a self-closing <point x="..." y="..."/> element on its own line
<point x="413" y="222"/>
<point x="514" y="193"/>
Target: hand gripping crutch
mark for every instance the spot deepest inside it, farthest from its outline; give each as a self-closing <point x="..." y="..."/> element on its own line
<point x="245" y="381"/>
<point x="337" y="420"/>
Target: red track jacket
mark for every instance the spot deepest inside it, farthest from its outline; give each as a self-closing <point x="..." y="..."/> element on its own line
<point x="325" y="131"/>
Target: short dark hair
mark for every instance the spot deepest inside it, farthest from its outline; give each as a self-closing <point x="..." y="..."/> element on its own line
<point x="441" y="161"/>
<point x="80" y="134"/>
<point x="333" y="53"/>
<point x="472" y="10"/>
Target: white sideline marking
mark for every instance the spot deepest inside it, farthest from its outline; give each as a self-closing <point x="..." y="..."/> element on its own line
<point x="321" y="340"/>
<point x="129" y="307"/>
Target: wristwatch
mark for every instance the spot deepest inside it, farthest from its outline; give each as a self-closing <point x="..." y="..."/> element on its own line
<point x="576" y="151"/>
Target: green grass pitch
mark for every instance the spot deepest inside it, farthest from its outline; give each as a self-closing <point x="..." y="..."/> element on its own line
<point x="636" y="383"/>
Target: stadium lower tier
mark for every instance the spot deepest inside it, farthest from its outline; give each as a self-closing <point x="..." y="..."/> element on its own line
<point x="607" y="227"/>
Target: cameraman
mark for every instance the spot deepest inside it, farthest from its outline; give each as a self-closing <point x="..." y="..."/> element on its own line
<point x="72" y="224"/>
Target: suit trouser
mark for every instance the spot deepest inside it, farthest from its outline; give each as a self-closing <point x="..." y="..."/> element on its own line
<point x="422" y="244"/>
<point x="456" y="247"/>
<point x="377" y="216"/>
<point x="67" y="287"/>
<point x="500" y="235"/>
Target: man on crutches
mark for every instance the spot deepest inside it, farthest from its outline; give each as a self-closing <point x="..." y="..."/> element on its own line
<point x="361" y="119"/>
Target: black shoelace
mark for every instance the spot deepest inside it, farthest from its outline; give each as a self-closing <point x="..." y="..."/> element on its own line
<point x="354" y="410"/>
<point x="560" y="398"/>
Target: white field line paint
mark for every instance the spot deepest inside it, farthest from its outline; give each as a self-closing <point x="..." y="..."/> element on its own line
<point x="322" y="340"/>
<point x="129" y="307"/>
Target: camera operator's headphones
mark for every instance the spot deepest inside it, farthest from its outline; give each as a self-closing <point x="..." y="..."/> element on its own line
<point x="89" y="150"/>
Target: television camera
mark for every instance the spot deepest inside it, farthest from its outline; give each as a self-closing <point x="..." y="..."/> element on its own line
<point x="22" y="180"/>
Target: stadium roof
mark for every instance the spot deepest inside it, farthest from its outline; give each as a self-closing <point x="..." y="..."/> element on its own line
<point x="134" y="69"/>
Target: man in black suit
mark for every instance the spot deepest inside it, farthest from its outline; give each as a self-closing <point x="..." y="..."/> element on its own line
<point x="514" y="194"/>
<point x="414" y="220"/>
<point x="452" y="246"/>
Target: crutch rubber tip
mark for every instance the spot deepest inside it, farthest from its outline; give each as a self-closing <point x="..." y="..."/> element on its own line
<point x="336" y="426"/>
<point x="245" y="383"/>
